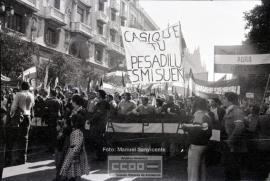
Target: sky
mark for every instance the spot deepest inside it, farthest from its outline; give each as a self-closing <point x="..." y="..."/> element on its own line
<point x="204" y="23"/>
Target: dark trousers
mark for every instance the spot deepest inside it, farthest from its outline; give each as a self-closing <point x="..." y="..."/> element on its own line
<point x="232" y="165"/>
<point x="17" y="142"/>
<point x="52" y="134"/>
<point x="98" y="141"/>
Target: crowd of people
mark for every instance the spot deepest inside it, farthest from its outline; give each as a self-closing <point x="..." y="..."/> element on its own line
<point x="75" y="119"/>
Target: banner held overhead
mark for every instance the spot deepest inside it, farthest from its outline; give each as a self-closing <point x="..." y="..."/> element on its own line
<point x="153" y="56"/>
<point x="240" y="60"/>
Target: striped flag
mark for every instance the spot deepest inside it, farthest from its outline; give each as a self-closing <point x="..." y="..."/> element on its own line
<point x="101" y="82"/>
<point x="56" y="82"/>
<point x="123" y="80"/>
<point x="29" y="74"/>
<point x="46" y="76"/>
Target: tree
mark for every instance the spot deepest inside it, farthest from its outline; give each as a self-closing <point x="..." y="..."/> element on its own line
<point x="62" y="66"/>
<point x="258" y="23"/>
<point x="16" y="54"/>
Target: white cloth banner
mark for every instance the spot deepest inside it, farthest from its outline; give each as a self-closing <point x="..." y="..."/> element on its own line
<point x="216" y="90"/>
<point x="153" y="56"/>
<point x="168" y="128"/>
<point x="253" y="59"/>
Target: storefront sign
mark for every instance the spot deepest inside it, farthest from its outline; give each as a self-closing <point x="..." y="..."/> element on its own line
<point x="250" y="95"/>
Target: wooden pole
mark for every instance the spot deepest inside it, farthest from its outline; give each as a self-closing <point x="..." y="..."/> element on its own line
<point x="265" y="91"/>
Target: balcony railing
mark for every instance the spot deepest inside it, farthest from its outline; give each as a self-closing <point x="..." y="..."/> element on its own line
<point x="81" y="28"/>
<point x="114" y="25"/>
<point x="32" y="4"/>
<point x="123" y="13"/>
<point x="116" y="48"/>
<point x="115" y="5"/>
<point x="136" y="25"/>
<point x="56" y="15"/>
<point x="100" y="39"/>
<point x="101" y="16"/>
<point x="86" y="2"/>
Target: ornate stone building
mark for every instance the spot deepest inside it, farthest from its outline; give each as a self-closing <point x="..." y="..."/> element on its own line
<point x="87" y="30"/>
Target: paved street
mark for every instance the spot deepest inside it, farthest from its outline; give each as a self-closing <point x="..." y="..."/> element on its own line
<point x="43" y="169"/>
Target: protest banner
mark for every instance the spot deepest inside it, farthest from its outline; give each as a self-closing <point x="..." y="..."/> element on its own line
<point x="147" y="127"/>
<point x="203" y="88"/>
<point x="153" y="56"/>
<point x="240" y="60"/>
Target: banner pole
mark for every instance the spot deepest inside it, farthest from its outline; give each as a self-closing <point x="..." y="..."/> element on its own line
<point x="181" y="56"/>
<point x="266" y="88"/>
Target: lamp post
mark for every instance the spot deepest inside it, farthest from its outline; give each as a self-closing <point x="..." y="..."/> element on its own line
<point x="5" y="11"/>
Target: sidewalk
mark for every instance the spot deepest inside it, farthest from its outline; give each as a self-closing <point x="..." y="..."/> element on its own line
<point x="43" y="169"/>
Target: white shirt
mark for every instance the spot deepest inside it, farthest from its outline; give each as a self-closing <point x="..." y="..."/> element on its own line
<point x="24" y="100"/>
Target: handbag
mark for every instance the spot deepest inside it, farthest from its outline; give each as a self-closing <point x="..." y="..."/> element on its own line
<point x="17" y="118"/>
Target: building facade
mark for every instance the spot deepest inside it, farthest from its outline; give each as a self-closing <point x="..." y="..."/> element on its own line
<point x="87" y="30"/>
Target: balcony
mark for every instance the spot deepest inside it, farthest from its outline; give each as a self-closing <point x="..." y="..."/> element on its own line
<point x="101" y="40"/>
<point x="113" y="47"/>
<point x="56" y="15"/>
<point x="115" y="5"/>
<point x="123" y="14"/>
<point x="136" y="25"/>
<point x="86" y="2"/>
<point x="101" y="16"/>
<point x="114" y="25"/>
<point x="32" y="4"/>
<point x="81" y="28"/>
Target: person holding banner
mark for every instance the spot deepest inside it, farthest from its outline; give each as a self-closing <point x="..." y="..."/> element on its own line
<point x="126" y="106"/>
<point x="144" y="108"/>
<point x="199" y="133"/>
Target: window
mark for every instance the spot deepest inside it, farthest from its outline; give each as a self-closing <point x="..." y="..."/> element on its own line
<point x="123" y="22"/>
<point x="112" y="35"/>
<point x="113" y="15"/>
<point x="100" y="27"/>
<point x="123" y="7"/>
<point x="57" y="4"/>
<point x="16" y="23"/>
<point x="51" y="36"/>
<point x="80" y="14"/>
<point x="98" y="53"/>
<point x="101" y="5"/>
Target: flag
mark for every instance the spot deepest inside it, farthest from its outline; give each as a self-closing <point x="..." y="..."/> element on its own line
<point x="223" y="78"/>
<point x="46" y="76"/>
<point x="123" y="80"/>
<point x="166" y="88"/>
<point x="55" y="82"/>
<point x="97" y="85"/>
<point x="48" y="87"/>
<point x="101" y="82"/>
<point x="88" y="85"/>
<point x="91" y="85"/>
<point x="29" y="74"/>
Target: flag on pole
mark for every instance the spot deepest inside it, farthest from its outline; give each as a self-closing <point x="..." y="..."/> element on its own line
<point x="97" y="85"/>
<point x="46" y="76"/>
<point x="166" y="88"/>
<point x="29" y="74"/>
<point x="56" y="82"/>
<point x="223" y="78"/>
<point x="88" y="84"/>
<point x="48" y="87"/>
<point x="101" y="82"/>
<point x="123" y="80"/>
<point x="91" y="85"/>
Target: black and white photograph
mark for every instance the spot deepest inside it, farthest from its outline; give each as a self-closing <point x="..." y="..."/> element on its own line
<point x="135" y="90"/>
